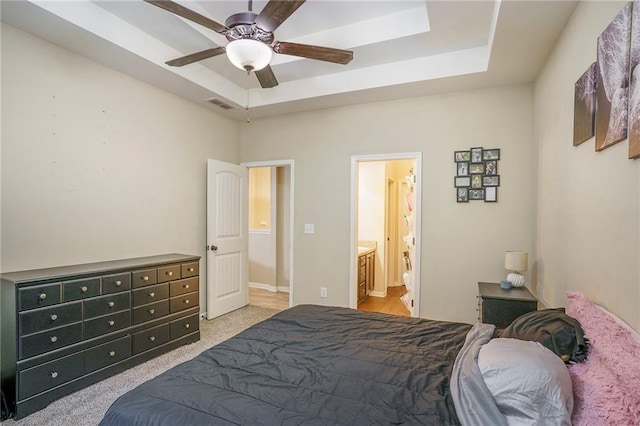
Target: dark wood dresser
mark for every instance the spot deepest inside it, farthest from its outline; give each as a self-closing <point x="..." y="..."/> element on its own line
<point x="500" y="307"/>
<point x="65" y="328"/>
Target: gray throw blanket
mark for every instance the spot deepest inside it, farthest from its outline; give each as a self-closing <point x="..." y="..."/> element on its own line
<point x="473" y="400"/>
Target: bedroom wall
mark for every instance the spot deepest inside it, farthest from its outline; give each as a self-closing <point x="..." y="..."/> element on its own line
<point x="462" y="243"/>
<point x="588" y="223"/>
<point x="96" y="165"/>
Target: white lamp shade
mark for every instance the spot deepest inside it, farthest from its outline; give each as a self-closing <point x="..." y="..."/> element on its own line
<point x="248" y="54"/>
<point x="516" y="261"/>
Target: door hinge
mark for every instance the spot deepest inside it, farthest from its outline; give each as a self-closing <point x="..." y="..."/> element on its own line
<point x="412" y="303"/>
<point x="415" y="179"/>
<point x="414" y="241"/>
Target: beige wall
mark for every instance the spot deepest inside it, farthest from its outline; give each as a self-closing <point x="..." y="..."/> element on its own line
<point x="588" y="234"/>
<point x="262" y="258"/>
<point x="462" y="243"/>
<point x="283" y="225"/>
<point x="260" y="198"/>
<point x="97" y="165"/>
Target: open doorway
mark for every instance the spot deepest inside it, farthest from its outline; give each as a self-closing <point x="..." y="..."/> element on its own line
<point x="270" y="252"/>
<point x="384" y="233"/>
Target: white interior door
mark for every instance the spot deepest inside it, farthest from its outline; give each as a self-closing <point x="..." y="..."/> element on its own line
<point x="227" y="237"/>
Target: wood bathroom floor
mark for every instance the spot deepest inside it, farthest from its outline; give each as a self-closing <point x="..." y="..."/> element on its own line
<point x="391" y="304"/>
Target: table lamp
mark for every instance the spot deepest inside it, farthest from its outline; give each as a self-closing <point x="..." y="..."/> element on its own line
<point x="516" y="261"/>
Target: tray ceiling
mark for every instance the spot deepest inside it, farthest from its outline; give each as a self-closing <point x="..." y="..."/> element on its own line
<point x="401" y="48"/>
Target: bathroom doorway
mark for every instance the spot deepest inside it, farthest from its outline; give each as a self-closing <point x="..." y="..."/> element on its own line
<point x="385" y="234"/>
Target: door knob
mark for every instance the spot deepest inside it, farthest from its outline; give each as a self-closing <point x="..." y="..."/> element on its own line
<point x="214" y="248"/>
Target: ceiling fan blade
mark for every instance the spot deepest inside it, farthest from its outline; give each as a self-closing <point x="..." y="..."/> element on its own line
<point x="320" y="53"/>
<point x="189" y="14"/>
<point x="276" y="12"/>
<point x="266" y="77"/>
<point x="195" y="57"/>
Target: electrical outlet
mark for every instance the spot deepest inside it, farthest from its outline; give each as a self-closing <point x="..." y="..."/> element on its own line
<point x="309" y="228"/>
<point x="323" y="292"/>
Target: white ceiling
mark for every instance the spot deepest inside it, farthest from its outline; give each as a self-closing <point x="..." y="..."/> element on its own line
<point x="402" y="48"/>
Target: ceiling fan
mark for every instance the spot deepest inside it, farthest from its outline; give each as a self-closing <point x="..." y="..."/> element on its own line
<point x="251" y="39"/>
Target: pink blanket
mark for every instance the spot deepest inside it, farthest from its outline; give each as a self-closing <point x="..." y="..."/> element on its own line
<point x="606" y="387"/>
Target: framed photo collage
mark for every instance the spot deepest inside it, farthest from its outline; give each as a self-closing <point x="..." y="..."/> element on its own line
<point x="477" y="175"/>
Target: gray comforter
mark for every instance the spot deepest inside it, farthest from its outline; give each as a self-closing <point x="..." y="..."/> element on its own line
<point x="309" y="365"/>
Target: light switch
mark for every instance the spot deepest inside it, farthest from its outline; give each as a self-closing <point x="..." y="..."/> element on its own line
<point x="309" y="228"/>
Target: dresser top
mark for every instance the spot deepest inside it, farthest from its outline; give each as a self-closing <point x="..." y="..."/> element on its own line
<point x="493" y="290"/>
<point x="52" y="274"/>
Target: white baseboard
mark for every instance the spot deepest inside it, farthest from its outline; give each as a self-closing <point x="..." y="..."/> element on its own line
<point x="378" y="293"/>
<point x="269" y="287"/>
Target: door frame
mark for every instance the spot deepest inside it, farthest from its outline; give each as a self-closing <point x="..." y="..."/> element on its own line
<point x="417" y="217"/>
<point x="291" y="165"/>
<point x="391" y="233"/>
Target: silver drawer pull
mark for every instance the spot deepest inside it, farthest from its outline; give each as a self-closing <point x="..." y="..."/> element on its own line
<point x="112" y="353"/>
<point x="185" y="286"/>
<point x="169" y="273"/>
<point x="152" y="311"/>
<point x="145" y="278"/>
<point x="190" y="269"/>
<point x="54" y="339"/>
<point x="54" y="317"/>
<point x="53" y="374"/>
<point x="152" y="338"/>
<point x="112" y="322"/>
<point x="84" y="289"/>
<point x="118" y="283"/>
<point x="43" y="296"/>
<point x="186" y="326"/>
<point x="152" y="294"/>
<point x="112" y="304"/>
<point x="186" y="301"/>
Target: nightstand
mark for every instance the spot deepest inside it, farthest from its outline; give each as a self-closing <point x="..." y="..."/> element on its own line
<point x="500" y="307"/>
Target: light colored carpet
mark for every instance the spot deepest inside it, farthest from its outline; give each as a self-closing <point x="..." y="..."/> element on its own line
<point x="87" y="406"/>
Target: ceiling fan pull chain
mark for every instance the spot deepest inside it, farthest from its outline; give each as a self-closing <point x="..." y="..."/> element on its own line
<point x="247" y="107"/>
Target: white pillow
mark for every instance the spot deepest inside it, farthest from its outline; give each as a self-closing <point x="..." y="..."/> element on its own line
<point x="531" y="384"/>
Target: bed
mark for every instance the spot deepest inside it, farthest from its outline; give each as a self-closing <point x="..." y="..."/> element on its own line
<point x="316" y="365"/>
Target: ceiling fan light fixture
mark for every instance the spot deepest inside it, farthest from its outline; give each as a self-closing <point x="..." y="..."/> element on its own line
<point x="248" y="54"/>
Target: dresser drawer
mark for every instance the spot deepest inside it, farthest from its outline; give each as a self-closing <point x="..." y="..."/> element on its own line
<point x="179" y="328"/>
<point x="189" y="269"/>
<point x="51" y="374"/>
<point x="38" y="296"/>
<point x="105" y="305"/>
<point x="55" y="316"/>
<point x="115" y="283"/>
<point x="150" y="338"/>
<point x="143" y="278"/>
<point x="49" y="340"/>
<point x="185" y="301"/>
<point x="80" y="289"/>
<point x="150" y="312"/>
<point x="150" y="294"/>
<point x="107" y="354"/>
<point x="106" y="324"/>
<point x="168" y="273"/>
<point x="184" y="286"/>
